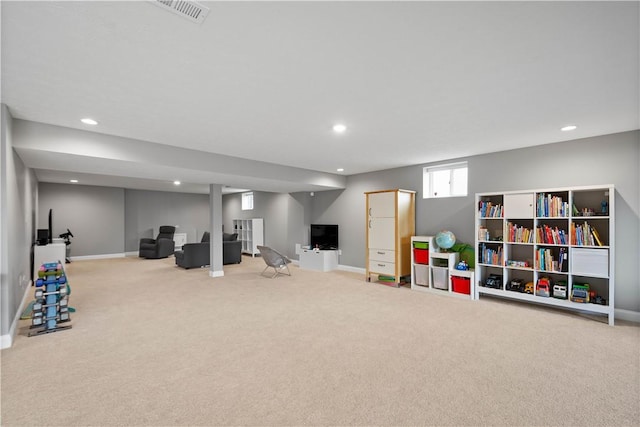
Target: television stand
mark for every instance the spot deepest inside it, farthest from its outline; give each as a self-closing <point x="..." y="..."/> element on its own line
<point x="319" y="260"/>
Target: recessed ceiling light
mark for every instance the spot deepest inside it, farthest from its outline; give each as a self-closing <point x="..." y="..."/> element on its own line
<point x="340" y="169"/>
<point x="88" y="121"/>
<point x="568" y="128"/>
<point x="176" y="182"/>
<point x="339" y="128"/>
<point x="73" y="181"/>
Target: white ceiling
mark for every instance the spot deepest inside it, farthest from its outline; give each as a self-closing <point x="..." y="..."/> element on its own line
<point x="415" y="82"/>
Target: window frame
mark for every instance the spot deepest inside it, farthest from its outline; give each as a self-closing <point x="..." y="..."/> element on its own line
<point x="428" y="181"/>
<point x="247" y="201"/>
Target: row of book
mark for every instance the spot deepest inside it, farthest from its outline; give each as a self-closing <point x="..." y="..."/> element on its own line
<point x="489" y="210"/>
<point x="585" y="235"/>
<point x="551" y="206"/>
<point x="491" y="256"/>
<point x="548" y="235"/>
<point x="545" y="260"/>
<point x="518" y="234"/>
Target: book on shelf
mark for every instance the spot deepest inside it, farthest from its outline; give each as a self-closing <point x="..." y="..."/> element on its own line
<point x="489" y="210"/>
<point x="585" y="235"/>
<point x="551" y="206"/>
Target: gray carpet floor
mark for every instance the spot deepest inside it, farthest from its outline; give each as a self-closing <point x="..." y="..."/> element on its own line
<point x="153" y="344"/>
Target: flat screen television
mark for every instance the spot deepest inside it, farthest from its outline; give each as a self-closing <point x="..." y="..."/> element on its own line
<point x="324" y="236"/>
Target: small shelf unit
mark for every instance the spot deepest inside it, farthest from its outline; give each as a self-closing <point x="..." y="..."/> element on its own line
<point x="562" y="238"/>
<point x="434" y="271"/>
<point x="250" y="233"/>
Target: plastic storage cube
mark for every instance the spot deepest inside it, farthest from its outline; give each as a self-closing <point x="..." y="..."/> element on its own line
<point x="440" y="278"/>
<point x="461" y="285"/>
<point x="421" y="256"/>
<point x="422" y="275"/>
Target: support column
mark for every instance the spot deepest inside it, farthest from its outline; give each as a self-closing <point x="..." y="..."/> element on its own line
<point x="215" y="225"/>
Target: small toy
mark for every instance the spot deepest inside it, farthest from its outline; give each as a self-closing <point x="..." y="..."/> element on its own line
<point x="544" y="287"/>
<point x="580" y="293"/>
<point x="560" y="290"/>
<point x="462" y="265"/>
<point x="599" y="300"/>
<point x="516" y="285"/>
<point x="528" y="288"/>
<point x="493" y="281"/>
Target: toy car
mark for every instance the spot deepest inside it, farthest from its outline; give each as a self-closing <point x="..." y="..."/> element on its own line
<point x="493" y="281"/>
<point x="580" y="293"/>
<point x="560" y="291"/>
<point x="528" y="288"/>
<point x="516" y="285"/>
<point x="544" y="287"/>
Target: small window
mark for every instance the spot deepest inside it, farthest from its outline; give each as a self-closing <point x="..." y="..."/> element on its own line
<point x="247" y="201"/>
<point x="445" y="180"/>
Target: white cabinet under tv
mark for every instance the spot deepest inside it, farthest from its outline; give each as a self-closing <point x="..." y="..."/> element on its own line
<point x="557" y="242"/>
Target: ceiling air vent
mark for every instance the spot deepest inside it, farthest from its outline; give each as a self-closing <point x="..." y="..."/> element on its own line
<point x="191" y="10"/>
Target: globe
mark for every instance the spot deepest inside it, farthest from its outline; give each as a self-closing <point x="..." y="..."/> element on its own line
<point x="445" y="239"/>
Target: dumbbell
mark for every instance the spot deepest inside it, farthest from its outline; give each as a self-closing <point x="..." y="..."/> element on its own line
<point x="39" y="294"/>
<point x="64" y="316"/>
<point x="36" y="321"/>
<point x="62" y="290"/>
<point x="63" y="302"/>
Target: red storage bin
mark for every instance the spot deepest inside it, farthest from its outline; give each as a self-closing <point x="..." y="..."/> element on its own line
<point x="461" y="285"/>
<point x="421" y="256"/>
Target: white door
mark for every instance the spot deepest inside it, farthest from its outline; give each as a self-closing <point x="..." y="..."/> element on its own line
<point x="518" y="205"/>
<point x="382" y="233"/>
<point x="382" y="204"/>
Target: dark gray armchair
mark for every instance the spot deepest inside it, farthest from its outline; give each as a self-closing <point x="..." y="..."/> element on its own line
<point x="231" y="249"/>
<point x="195" y="255"/>
<point x="160" y="247"/>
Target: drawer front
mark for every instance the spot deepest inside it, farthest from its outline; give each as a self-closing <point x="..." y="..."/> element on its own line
<point x="382" y="267"/>
<point x="382" y="255"/>
<point x="590" y="262"/>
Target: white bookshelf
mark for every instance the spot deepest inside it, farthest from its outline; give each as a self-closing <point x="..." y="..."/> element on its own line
<point x="570" y="242"/>
<point x="250" y="233"/>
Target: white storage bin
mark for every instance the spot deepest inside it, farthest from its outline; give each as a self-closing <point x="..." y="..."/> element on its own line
<point x="441" y="277"/>
<point x="421" y="274"/>
<point x="590" y="262"/>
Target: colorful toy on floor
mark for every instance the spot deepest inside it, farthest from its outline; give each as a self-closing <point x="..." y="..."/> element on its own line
<point x="51" y="305"/>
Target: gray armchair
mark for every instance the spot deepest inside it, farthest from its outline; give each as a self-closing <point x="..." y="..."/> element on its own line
<point x="160" y="247"/>
<point x="195" y="255"/>
<point x="231" y="249"/>
<point x="274" y="260"/>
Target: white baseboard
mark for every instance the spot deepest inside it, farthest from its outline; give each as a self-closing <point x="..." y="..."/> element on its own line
<point x="132" y="253"/>
<point x="101" y="256"/>
<point x="351" y="269"/>
<point x="628" y="315"/>
<point x="6" y="340"/>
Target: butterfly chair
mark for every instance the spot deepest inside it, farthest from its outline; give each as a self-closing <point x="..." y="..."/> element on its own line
<point x="274" y="260"/>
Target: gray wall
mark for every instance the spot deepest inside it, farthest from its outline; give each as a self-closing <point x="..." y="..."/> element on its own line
<point x="282" y="214"/>
<point x="108" y="220"/>
<point x="610" y="159"/>
<point x="18" y="194"/>
<point x="146" y="211"/>
<point x="95" y="216"/>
